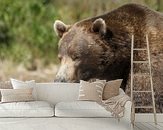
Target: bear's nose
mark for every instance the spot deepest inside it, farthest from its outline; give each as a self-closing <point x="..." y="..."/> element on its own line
<point x="60" y="80"/>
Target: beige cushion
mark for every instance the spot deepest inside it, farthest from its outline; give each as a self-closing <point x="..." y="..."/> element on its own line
<point x="91" y="91"/>
<point x="16" y="95"/>
<point x="5" y="85"/>
<point x="111" y="88"/>
<point x="18" y="84"/>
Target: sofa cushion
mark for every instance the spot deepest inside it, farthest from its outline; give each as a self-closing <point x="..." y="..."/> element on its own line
<point x="26" y="109"/>
<point x="91" y="91"/>
<point x="5" y="85"/>
<point x="80" y="109"/>
<point x="16" y="95"/>
<point x="17" y="84"/>
<point x="111" y="89"/>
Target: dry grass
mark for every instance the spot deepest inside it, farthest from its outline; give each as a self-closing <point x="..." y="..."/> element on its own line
<point x="43" y="74"/>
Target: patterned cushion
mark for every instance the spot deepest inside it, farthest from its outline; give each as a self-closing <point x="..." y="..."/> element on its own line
<point x="91" y="91"/>
<point x="16" y="95"/>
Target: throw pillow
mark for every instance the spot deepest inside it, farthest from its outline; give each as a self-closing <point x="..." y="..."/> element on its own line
<point x="111" y="88"/>
<point x="17" y="84"/>
<point x="16" y="95"/>
<point x="5" y="85"/>
<point x="91" y="91"/>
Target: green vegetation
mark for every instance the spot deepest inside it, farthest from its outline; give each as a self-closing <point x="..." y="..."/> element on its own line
<point x="26" y="31"/>
<point x="26" y="26"/>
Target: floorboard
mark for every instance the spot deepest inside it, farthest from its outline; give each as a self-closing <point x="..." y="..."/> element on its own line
<point x="157" y="126"/>
<point x="141" y="126"/>
<point x="136" y="128"/>
<point x="153" y="127"/>
<point x="148" y="126"/>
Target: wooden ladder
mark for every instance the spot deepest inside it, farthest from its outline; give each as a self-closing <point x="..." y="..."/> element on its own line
<point x="148" y="62"/>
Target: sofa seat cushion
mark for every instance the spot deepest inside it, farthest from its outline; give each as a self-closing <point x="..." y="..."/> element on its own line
<point x="80" y="109"/>
<point x="26" y="109"/>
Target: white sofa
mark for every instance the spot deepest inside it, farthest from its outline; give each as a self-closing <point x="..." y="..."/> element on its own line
<point x="69" y="113"/>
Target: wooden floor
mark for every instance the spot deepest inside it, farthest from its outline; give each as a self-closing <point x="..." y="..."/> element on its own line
<point x="146" y="122"/>
<point x="148" y="126"/>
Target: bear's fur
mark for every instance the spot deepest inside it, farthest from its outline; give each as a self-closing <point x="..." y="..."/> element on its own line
<point x="100" y="47"/>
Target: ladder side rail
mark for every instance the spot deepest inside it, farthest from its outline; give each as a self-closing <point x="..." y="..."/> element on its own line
<point x="132" y="46"/>
<point x="132" y="58"/>
<point x="151" y="81"/>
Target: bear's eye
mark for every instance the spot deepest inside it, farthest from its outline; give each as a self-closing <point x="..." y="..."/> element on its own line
<point x="59" y="57"/>
<point x="75" y="57"/>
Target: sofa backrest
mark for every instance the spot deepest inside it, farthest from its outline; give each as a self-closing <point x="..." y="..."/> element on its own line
<point x="57" y="92"/>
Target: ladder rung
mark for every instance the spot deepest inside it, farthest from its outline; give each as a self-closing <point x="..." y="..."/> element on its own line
<point x="140" y="49"/>
<point x="141" y="74"/>
<point x="140" y="62"/>
<point x="142" y="91"/>
<point x="144" y="107"/>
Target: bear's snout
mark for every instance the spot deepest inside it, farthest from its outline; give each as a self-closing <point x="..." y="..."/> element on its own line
<point x="60" y="80"/>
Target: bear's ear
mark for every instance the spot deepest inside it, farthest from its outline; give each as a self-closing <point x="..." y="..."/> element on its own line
<point x="60" y="28"/>
<point x="99" y="26"/>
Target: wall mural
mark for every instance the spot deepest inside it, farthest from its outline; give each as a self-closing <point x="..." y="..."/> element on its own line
<point x="100" y="48"/>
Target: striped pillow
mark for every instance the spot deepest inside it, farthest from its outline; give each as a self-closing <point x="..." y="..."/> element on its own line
<point x="91" y="91"/>
<point x="5" y="85"/>
<point x="16" y="95"/>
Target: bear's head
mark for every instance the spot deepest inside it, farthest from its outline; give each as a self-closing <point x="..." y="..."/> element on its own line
<point x="86" y="50"/>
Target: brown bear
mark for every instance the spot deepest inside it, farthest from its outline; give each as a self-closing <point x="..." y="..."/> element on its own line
<point x="100" y="47"/>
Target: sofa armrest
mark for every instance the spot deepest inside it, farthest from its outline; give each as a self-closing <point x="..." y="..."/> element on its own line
<point x="126" y="119"/>
<point x="127" y="112"/>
